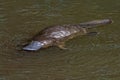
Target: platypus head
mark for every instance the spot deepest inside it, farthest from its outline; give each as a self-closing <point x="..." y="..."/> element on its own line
<point x="36" y="45"/>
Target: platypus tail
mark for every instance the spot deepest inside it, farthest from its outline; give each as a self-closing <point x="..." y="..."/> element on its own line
<point x="94" y="23"/>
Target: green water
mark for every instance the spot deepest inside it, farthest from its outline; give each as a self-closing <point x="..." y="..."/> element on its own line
<point x="89" y="58"/>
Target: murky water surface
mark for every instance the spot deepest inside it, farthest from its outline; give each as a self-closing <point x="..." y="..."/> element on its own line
<point x="89" y="57"/>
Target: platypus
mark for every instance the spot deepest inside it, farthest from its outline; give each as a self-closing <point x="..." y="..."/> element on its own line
<point x="59" y="34"/>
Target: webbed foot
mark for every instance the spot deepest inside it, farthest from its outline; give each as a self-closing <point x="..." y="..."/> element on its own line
<point x="92" y="33"/>
<point x="62" y="46"/>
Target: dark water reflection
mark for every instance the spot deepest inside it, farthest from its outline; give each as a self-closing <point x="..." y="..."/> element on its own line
<point x="89" y="57"/>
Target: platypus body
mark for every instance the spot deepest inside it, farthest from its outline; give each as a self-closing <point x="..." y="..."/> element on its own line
<point x="58" y="35"/>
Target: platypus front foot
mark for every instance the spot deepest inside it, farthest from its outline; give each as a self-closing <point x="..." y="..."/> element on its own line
<point x="62" y="46"/>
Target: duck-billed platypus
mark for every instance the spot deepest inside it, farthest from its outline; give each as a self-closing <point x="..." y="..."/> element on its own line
<point x="58" y="35"/>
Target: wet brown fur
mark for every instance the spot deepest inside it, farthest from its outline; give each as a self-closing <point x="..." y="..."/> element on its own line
<point x="58" y="35"/>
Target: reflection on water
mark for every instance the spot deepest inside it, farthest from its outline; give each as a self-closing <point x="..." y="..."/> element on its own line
<point x="54" y="7"/>
<point x="88" y="57"/>
<point x="48" y="8"/>
<point x="2" y="16"/>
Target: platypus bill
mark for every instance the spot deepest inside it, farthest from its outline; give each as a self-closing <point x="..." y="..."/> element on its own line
<point x="58" y="35"/>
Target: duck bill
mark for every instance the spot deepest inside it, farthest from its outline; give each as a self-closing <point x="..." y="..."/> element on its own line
<point x="33" y="46"/>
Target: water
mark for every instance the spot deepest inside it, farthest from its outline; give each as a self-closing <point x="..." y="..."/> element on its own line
<point x="89" y="57"/>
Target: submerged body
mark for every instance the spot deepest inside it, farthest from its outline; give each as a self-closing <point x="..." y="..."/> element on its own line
<point x="58" y="35"/>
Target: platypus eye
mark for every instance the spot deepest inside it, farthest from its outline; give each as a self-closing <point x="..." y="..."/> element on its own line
<point x="33" y="46"/>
